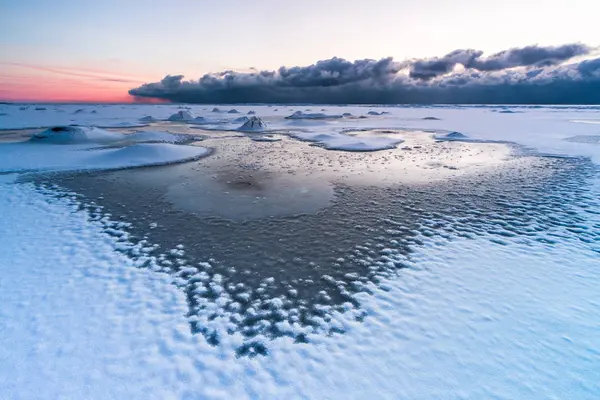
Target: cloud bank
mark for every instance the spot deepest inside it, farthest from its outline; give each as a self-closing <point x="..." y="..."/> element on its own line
<point x="532" y="74"/>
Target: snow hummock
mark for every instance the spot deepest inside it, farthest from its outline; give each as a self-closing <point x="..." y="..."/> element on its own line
<point x="254" y="124"/>
<point x="88" y="148"/>
<point x="301" y="115"/>
<point x="148" y="118"/>
<point x="75" y="135"/>
<point x="251" y="112"/>
<point x="233" y="111"/>
<point x="181" y="116"/>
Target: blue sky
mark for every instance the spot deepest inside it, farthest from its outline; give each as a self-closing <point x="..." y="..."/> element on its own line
<point x="137" y="40"/>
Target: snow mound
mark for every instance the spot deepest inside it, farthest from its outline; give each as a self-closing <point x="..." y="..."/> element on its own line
<point x="431" y="119"/>
<point x="32" y="157"/>
<point x="75" y="135"/>
<point x="376" y="113"/>
<point x="346" y="114"/>
<point x="79" y="111"/>
<point x="301" y="115"/>
<point x="254" y="124"/>
<point x="181" y="116"/>
<point x="233" y="111"/>
<point x="251" y="112"/>
<point x="216" y="110"/>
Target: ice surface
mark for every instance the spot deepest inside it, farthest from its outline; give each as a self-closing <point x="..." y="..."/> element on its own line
<point x="543" y="128"/>
<point x="450" y="325"/>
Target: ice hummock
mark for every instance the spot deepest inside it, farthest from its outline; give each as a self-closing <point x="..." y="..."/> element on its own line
<point x="254" y="124"/>
<point x="181" y="116"/>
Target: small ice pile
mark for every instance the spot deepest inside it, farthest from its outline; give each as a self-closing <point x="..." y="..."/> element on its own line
<point x="233" y="111"/>
<point x="181" y="116"/>
<point x="254" y="124"/>
<point x="301" y="115"/>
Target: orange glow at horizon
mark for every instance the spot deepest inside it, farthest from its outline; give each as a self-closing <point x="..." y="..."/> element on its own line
<point x="38" y="84"/>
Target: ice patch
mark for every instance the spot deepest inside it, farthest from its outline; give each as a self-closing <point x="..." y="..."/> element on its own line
<point x="347" y="142"/>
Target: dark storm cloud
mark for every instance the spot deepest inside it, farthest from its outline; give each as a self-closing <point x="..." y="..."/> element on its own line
<point x="530" y="74"/>
<point x="529" y="56"/>
<point x="432" y="68"/>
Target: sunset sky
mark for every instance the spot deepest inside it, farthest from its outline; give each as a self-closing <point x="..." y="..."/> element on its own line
<point x="67" y="50"/>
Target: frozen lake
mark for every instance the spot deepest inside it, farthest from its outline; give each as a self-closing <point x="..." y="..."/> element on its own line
<point x="299" y="251"/>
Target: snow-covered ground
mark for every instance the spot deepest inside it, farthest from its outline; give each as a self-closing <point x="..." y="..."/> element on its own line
<point x="470" y="317"/>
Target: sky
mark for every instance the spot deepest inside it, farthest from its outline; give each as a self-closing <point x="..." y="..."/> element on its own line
<point x="65" y="50"/>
